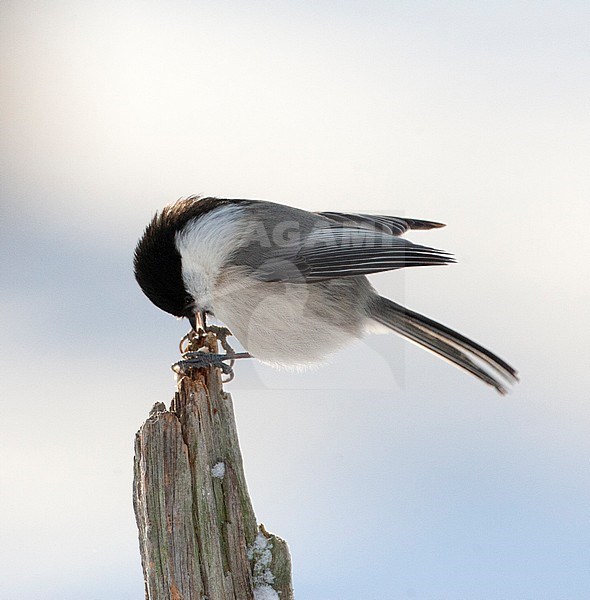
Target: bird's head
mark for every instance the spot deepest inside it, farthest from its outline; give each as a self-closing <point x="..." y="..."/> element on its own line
<point x="157" y="261"/>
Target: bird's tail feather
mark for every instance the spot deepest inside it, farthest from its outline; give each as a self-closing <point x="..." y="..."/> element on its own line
<point x="446" y="343"/>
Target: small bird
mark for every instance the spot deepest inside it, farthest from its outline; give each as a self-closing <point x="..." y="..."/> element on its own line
<point x="290" y="284"/>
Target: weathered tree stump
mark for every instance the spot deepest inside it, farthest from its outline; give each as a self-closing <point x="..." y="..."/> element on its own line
<point x="198" y="535"/>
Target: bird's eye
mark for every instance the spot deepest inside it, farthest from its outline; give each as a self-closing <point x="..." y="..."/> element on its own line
<point x="188" y="301"/>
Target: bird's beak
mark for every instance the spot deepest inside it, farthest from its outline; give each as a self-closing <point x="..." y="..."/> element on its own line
<point x="197" y="320"/>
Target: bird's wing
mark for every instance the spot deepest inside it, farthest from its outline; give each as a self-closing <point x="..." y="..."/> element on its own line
<point x="386" y="224"/>
<point x="333" y="251"/>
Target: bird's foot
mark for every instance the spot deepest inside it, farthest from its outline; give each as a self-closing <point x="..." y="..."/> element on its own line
<point x="198" y="349"/>
<point x="197" y="336"/>
<point x="200" y="360"/>
<point x="221" y="333"/>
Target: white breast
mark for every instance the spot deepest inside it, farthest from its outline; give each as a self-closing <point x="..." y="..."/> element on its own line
<point x="205" y="245"/>
<point x="289" y="325"/>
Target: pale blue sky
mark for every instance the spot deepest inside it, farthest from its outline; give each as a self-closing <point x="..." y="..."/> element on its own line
<point x="390" y="474"/>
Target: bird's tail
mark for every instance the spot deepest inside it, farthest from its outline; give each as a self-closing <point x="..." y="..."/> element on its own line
<point x="445" y="342"/>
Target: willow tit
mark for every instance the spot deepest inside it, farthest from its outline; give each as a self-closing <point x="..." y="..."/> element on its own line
<point x="290" y="284"/>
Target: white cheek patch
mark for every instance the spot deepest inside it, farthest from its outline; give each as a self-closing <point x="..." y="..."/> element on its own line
<point x="205" y="246"/>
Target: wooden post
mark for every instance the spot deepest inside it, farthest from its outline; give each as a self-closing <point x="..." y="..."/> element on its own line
<point x="198" y="535"/>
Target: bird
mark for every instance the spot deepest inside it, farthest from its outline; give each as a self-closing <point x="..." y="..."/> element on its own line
<point x="291" y="285"/>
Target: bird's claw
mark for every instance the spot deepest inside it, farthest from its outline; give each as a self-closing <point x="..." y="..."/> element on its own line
<point x="195" y="358"/>
<point x="200" y="360"/>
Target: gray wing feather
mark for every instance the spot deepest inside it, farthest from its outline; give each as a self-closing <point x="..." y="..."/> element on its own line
<point x="332" y="252"/>
<point x="386" y="224"/>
